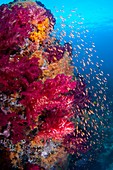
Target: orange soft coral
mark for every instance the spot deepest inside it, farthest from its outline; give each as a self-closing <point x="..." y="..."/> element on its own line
<point x="44" y="25"/>
<point x="62" y="66"/>
<point x="42" y="31"/>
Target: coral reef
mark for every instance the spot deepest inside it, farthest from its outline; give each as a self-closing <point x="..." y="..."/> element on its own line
<point x="40" y="98"/>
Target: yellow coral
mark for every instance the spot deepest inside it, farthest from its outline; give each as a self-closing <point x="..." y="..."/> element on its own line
<point x="59" y="155"/>
<point x="44" y="25"/>
<point x="62" y="66"/>
<point x="41" y="35"/>
<point x="34" y="36"/>
<point x="14" y="158"/>
<point x="12" y="155"/>
<point x="38" y="36"/>
<point x="15" y="155"/>
<point x="39" y="54"/>
<point x="18" y="147"/>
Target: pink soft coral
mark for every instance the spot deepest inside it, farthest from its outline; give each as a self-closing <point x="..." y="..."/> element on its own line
<point x="16" y="127"/>
<point x="32" y="167"/>
<point x="51" y="94"/>
<point x="18" y="75"/>
<point x="16" y="23"/>
<point x="56" y="125"/>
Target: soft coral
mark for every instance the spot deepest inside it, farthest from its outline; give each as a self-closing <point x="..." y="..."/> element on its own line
<point x="18" y="75"/>
<point x="51" y="94"/>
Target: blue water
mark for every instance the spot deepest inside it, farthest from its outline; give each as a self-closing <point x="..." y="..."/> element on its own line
<point x="98" y="18"/>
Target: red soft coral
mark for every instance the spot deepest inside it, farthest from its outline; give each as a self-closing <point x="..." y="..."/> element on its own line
<point x="17" y="126"/>
<point x="32" y="167"/>
<point x="16" y="24"/>
<point x="18" y="75"/>
<point x="56" y="125"/>
<point x="51" y="94"/>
